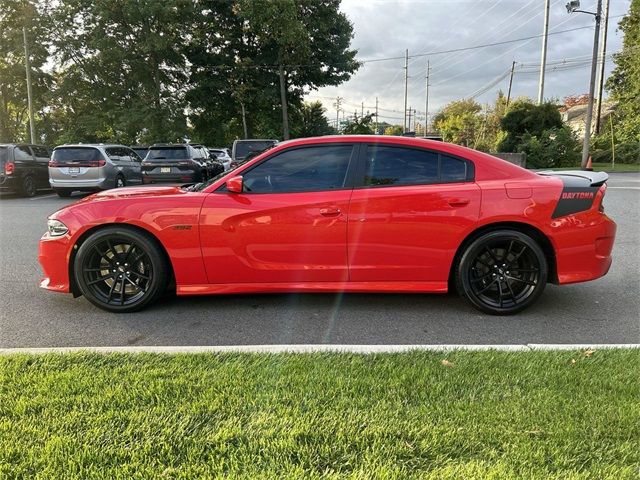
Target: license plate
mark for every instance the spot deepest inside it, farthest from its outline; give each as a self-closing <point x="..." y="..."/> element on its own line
<point x="73" y="170"/>
<point x="165" y="169"/>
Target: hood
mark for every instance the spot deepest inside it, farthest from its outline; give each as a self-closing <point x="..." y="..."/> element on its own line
<point x="133" y="192"/>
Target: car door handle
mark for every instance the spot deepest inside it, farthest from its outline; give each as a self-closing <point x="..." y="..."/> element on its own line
<point x="330" y="211"/>
<point x="458" y="202"/>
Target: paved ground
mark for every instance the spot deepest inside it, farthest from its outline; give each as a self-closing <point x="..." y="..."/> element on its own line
<point x="600" y="312"/>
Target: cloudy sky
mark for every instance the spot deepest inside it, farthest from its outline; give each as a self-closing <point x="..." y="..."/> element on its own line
<point x="385" y="28"/>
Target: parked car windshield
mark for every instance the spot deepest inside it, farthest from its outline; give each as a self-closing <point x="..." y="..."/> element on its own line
<point x="162" y="153"/>
<point x="76" y="154"/>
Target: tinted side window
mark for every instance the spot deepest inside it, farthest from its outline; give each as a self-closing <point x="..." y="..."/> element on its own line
<point x="399" y="166"/>
<point x="452" y="169"/>
<point x="22" y="153"/>
<point x="301" y="170"/>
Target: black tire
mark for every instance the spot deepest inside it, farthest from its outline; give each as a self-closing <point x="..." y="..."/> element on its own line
<point x="502" y="272"/>
<point x="120" y="182"/>
<point x="28" y="186"/>
<point x="63" y="193"/>
<point x="120" y="269"/>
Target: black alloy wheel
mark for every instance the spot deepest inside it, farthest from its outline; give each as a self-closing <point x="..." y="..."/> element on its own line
<point x="120" y="269"/>
<point x="28" y="186"/>
<point x="120" y="182"/>
<point x="502" y="272"/>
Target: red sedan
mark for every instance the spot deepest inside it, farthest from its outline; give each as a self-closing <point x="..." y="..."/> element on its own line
<point x="338" y="214"/>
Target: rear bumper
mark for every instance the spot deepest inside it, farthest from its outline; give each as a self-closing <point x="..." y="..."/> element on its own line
<point x="9" y="183"/>
<point x="84" y="185"/>
<point x="583" y="246"/>
<point x="53" y="255"/>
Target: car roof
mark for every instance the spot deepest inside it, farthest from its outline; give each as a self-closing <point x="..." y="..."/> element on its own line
<point x="91" y="145"/>
<point x="169" y="145"/>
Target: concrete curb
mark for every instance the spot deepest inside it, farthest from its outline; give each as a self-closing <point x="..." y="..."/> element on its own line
<point x="304" y="348"/>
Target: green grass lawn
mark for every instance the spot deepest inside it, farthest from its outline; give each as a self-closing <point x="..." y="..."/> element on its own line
<point x="606" y="167"/>
<point x="484" y="415"/>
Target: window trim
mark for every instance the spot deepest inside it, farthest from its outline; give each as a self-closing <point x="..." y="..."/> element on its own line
<point x="349" y="181"/>
<point x="362" y="166"/>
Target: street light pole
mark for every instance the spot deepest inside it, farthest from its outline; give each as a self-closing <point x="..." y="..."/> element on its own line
<point x="27" y="66"/>
<point x="573" y="6"/>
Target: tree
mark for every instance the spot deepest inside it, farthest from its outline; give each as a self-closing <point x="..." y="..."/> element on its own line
<point x="14" y="15"/>
<point x="525" y="117"/>
<point x="624" y="82"/>
<point x="239" y="62"/>
<point x="122" y="70"/>
<point x="309" y="121"/>
<point x="360" y="126"/>
<point x="459" y="122"/>
<point x="394" y="130"/>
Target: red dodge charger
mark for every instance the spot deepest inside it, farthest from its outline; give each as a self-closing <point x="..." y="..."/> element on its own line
<point x="338" y="214"/>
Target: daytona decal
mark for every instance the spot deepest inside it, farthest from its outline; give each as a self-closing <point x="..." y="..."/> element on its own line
<point x="574" y="200"/>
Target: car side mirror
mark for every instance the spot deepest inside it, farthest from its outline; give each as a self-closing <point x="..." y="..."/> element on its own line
<point x="234" y="184"/>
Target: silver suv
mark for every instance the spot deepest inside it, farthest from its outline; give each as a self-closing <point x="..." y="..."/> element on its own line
<point x="92" y="167"/>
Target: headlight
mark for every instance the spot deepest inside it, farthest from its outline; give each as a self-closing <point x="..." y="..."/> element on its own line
<point x="56" y="228"/>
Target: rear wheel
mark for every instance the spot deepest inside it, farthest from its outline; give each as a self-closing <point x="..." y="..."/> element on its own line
<point x="64" y="193"/>
<point x="28" y="186"/>
<point x="120" y="269"/>
<point x="502" y="272"/>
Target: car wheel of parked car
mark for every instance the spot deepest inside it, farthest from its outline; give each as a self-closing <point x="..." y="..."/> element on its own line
<point x="502" y="272"/>
<point x="28" y="186"/>
<point x="64" y="193"/>
<point x="120" y="182"/>
<point x="120" y="269"/>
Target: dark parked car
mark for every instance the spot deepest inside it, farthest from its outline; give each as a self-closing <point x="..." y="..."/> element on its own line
<point x="23" y="168"/>
<point x="249" y="148"/>
<point x="175" y="163"/>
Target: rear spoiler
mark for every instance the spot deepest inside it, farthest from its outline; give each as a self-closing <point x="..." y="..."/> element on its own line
<point x="579" y="178"/>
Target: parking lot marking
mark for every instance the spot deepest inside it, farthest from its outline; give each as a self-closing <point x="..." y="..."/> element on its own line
<point x="624" y="188"/>
<point x="44" y="196"/>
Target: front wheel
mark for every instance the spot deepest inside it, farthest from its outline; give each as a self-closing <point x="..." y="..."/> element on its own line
<point x="502" y="272"/>
<point x="120" y="182"/>
<point x="120" y="269"/>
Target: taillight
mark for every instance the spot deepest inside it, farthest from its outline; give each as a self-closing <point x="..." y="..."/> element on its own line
<point x="9" y="168"/>
<point x="603" y="190"/>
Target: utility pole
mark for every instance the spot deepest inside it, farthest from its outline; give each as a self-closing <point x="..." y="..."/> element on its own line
<point x="406" y="80"/>
<point x="376" y="115"/>
<point x="426" y="102"/>
<point x="409" y="126"/>
<point x="513" y="66"/>
<point x="592" y="85"/>
<point x="362" y="110"/>
<point x="27" y="66"/>
<point x="337" y="105"/>
<point x="283" y="100"/>
<point x="603" y="53"/>
<point x="543" y="62"/>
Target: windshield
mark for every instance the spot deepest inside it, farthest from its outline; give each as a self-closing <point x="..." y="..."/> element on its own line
<point x="76" y="154"/>
<point x="164" y="153"/>
<point x="253" y="146"/>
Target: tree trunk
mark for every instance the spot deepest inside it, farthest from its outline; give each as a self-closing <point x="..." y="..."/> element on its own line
<point x="283" y="100"/>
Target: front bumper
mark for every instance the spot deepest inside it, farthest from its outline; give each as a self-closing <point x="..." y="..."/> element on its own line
<point x="54" y="254"/>
<point x="583" y="246"/>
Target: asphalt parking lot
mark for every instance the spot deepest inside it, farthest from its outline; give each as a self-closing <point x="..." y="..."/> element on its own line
<point x="604" y="311"/>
